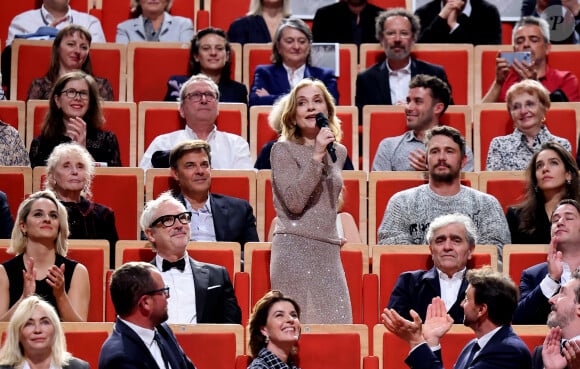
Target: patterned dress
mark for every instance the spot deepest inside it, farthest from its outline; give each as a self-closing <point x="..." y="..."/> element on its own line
<point x="267" y="360"/>
<point x="305" y="262"/>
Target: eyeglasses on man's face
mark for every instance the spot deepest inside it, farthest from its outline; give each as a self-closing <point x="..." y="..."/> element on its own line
<point x="164" y="291"/>
<point x="169" y="220"/>
<point x="71" y="93"/>
<point x="198" y="96"/>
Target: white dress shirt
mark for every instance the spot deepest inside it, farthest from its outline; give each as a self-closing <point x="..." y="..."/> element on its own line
<point x="450" y="287"/>
<point x="399" y="83"/>
<point x="29" y="21"/>
<point x="201" y="224"/>
<point x="228" y="151"/>
<point x="294" y="76"/>
<point x="181" y="306"/>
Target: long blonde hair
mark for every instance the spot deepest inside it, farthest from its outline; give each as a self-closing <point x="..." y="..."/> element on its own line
<point x="12" y="353"/>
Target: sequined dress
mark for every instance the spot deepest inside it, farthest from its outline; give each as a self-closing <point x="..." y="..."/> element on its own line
<point x="305" y="262"/>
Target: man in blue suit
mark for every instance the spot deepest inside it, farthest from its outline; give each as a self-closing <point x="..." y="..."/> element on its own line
<point x="542" y="281"/>
<point x="141" y="339"/>
<point x="202" y="292"/>
<point x="452" y="240"/>
<point x="387" y="82"/>
<point x="291" y="51"/>
<point x="226" y="218"/>
<point x="489" y="303"/>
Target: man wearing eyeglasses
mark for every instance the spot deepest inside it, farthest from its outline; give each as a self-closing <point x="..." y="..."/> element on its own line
<point x="141" y="337"/>
<point x="198" y="105"/>
<point x="215" y="217"/>
<point x="165" y="223"/>
<point x="387" y="82"/>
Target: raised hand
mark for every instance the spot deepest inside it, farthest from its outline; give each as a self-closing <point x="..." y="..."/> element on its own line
<point x="55" y="279"/>
<point x="554" y="259"/>
<point x="403" y="328"/>
<point x="551" y="350"/>
<point x="76" y="129"/>
<point x="437" y="322"/>
<point x="29" y="277"/>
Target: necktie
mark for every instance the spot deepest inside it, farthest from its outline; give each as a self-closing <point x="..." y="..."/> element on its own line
<point x="157" y="339"/>
<point x="563" y="346"/>
<point x="167" y="265"/>
<point x="472" y="353"/>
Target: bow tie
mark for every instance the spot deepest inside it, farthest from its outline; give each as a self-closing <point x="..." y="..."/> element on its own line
<point x="179" y="264"/>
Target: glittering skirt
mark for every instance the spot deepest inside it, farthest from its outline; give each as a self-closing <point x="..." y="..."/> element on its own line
<point x="310" y="272"/>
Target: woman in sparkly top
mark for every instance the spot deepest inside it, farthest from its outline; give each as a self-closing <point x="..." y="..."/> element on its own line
<point x="274" y="331"/>
<point x="306" y="183"/>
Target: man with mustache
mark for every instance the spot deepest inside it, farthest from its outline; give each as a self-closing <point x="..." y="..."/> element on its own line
<point x="539" y="283"/>
<point x="561" y="348"/>
<point x="200" y="292"/>
<point x="409" y="212"/>
<point x="387" y="82"/>
<point x="427" y="101"/>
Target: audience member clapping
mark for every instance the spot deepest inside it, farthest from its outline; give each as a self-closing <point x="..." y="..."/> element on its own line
<point x="551" y="176"/>
<point x="75" y="114"/>
<point x="210" y="54"/>
<point x="39" y="241"/>
<point x="35" y="339"/>
<point x="154" y="23"/>
<point x="70" y="52"/>
<point x="69" y="174"/>
<point x="527" y="103"/>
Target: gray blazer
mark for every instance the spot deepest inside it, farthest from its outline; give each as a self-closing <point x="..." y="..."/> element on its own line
<point x="173" y="29"/>
<point x="74" y="363"/>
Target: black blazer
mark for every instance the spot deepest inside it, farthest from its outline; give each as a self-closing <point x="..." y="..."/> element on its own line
<point x="73" y="363"/>
<point x="249" y="29"/>
<point x="482" y="27"/>
<point x="540" y="236"/>
<point x="415" y="290"/>
<point x="504" y="350"/>
<point x="6" y="221"/>
<point x="334" y="23"/>
<point x="233" y="219"/>
<point x="124" y="349"/>
<point x="373" y="88"/>
<point x="215" y="300"/>
<point x="533" y="307"/>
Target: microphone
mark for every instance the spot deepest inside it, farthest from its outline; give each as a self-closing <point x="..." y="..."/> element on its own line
<point x="322" y="121"/>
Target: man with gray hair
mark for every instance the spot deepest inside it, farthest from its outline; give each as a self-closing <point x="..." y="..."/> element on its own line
<point x="532" y="34"/>
<point x="387" y="82"/>
<point x="201" y="292"/>
<point x="198" y="105"/>
<point x="452" y="239"/>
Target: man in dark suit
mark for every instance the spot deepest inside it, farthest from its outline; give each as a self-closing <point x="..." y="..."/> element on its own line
<point x="165" y="223"/>
<point x="561" y="348"/>
<point x="331" y="22"/>
<point x="452" y="240"/>
<point x="232" y="218"/>
<point x="488" y="306"/>
<point x="387" y="82"/>
<point x="141" y="339"/>
<point x="474" y="22"/>
<point x="542" y="281"/>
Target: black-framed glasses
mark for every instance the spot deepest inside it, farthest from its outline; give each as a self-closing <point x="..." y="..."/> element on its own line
<point x="169" y="220"/>
<point x="71" y="93"/>
<point x="198" y="96"/>
<point x="164" y="290"/>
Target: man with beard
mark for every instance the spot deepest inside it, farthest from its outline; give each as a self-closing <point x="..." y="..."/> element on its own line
<point x="540" y="282"/>
<point x="427" y="100"/>
<point x="561" y="347"/>
<point x="202" y="292"/>
<point x="409" y="212"/>
<point x="488" y="306"/>
<point x="532" y="34"/>
<point x="331" y="23"/>
<point x="141" y="338"/>
<point x="387" y="83"/>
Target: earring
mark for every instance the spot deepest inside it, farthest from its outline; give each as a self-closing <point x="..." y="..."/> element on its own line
<point x="24" y="233"/>
<point x="266" y="339"/>
<point x="569" y="182"/>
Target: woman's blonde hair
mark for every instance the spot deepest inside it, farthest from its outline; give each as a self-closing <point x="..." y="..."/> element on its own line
<point x="290" y="130"/>
<point x="67" y="149"/>
<point x="19" y="240"/>
<point x="12" y="353"/>
<point x="256" y="8"/>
